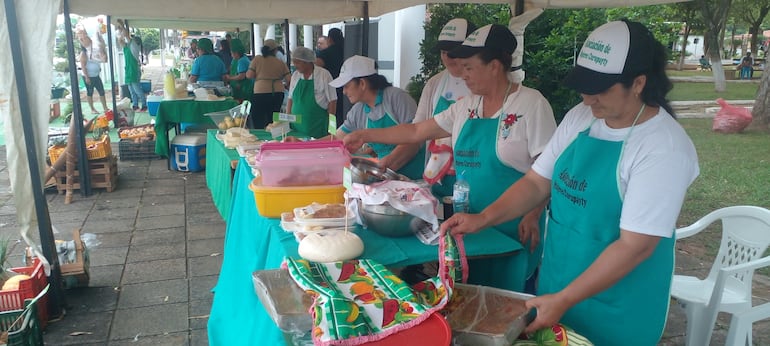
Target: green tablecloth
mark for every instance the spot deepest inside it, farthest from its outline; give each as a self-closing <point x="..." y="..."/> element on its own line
<point x="256" y="243"/>
<point x="183" y="111"/>
<point x="219" y="173"/>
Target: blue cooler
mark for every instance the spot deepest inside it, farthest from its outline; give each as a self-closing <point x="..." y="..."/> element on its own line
<point x="188" y="152"/>
<point x="153" y="103"/>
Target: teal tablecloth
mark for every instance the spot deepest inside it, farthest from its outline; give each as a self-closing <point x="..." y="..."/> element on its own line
<point x="183" y="111"/>
<point x="219" y="172"/>
<point x="256" y="243"/>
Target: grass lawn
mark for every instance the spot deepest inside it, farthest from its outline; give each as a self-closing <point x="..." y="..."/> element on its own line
<point x="704" y="91"/>
<point x="734" y="170"/>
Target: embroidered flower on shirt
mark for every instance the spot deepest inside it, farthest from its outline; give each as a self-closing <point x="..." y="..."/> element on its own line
<point x="508" y="122"/>
<point x="472" y="114"/>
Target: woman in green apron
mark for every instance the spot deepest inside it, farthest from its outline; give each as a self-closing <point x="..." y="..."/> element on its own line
<point x="269" y="74"/>
<point x="239" y="84"/>
<point x="378" y="105"/>
<point x="440" y="92"/>
<point x="311" y="98"/>
<point x="616" y="172"/>
<point x="496" y="132"/>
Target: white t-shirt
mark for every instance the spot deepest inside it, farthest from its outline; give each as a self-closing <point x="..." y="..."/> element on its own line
<point x="450" y="87"/>
<point x="527" y="137"/>
<point x="324" y="93"/>
<point x="658" y="164"/>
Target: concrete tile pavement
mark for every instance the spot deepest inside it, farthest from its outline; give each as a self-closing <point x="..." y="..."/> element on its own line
<point x="151" y="279"/>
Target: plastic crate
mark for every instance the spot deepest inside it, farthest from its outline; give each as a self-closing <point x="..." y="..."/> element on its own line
<point x="130" y="150"/>
<point x="95" y="149"/>
<point x="23" y="326"/>
<point x="140" y="131"/>
<point x="11" y="300"/>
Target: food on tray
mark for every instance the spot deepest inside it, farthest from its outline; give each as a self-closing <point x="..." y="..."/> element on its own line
<point x="137" y="131"/>
<point x="475" y="309"/>
<point x="307" y="176"/>
<point x="230" y="122"/>
<point x="323" y="211"/>
<point x="330" y="247"/>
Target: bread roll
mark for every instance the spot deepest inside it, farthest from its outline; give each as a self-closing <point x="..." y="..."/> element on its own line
<point x="330" y="247"/>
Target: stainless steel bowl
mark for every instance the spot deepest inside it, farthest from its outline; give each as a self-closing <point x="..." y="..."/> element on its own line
<point x="365" y="171"/>
<point x="388" y="221"/>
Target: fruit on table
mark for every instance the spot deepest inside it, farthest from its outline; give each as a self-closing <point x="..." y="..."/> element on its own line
<point x="12" y="284"/>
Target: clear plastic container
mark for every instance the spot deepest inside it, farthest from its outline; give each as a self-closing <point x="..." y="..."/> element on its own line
<point x="302" y="164"/>
<point x="285" y="302"/>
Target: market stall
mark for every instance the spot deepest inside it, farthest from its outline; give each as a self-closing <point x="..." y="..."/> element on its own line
<point x="172" y="113"/>
<point x="256" y="243"/>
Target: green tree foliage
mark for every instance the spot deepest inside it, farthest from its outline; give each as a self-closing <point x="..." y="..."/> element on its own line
<point x="150" y="39"/>
<point x="551" y="42"/>
<point x="479" y="15"/>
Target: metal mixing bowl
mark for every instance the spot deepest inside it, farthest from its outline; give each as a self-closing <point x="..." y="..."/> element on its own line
<point x="388" y="221"/>
<point x="365" y="171"/>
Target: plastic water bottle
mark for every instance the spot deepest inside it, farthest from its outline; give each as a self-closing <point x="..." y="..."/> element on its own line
<point x="461" y="195"/>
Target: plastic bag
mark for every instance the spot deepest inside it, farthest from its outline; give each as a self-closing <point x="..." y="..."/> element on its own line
<point x="731" y="119"/>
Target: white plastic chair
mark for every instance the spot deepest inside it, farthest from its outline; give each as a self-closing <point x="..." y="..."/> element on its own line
<point x="745" y="237"/>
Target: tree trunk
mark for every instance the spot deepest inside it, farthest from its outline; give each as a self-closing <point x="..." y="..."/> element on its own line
<point x="761" y="111"/>
<point x="716" y="62"/>
<point x="683" y="51"/>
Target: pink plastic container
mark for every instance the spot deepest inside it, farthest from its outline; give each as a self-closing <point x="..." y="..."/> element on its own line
<point x="302" y="163"/>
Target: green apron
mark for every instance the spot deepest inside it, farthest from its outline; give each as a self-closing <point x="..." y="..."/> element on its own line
<point x="476" y="159"/>
<point x="315" y="120"/>
<point x="584" y="220"/>
<point x="132" y="72"/>
<point x="242" y="89"/>
<point x="414" y="168"/>
<point x="448" y="181"/>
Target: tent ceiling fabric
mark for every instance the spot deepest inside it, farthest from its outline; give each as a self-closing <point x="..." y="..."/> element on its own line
<point x="231" y="14"/>
<point x="184" y="14"/>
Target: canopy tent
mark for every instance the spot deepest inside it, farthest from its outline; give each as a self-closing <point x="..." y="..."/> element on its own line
<point x="26" y="69"/>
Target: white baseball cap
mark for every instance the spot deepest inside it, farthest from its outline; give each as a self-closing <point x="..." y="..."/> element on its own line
<point x="453" y="33"/>
<point x="356" y="66"/>
<point x="612" y="52"/>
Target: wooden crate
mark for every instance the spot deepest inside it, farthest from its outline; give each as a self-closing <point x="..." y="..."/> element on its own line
<point x="104" y="174"/>
<point x="74" y="274"/>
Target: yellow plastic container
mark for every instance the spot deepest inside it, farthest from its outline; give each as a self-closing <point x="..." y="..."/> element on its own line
<point x="273" y="200"/>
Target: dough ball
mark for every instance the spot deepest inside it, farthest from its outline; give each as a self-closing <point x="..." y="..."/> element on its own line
<point x="330" y="247"/>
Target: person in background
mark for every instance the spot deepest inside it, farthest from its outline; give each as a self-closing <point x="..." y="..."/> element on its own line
<point x="497" y="132"/>
<point x="747" y="66"/>
<point x="241" y="86"/>
<point x="705" y="64"/>
<point x="378" y="105"/>
<point x="224" y="50"/>
<point x="280" y="54"/>
<point x="310" y="94"/>
<point x="331" y="59"/>
<point x="92" y="55"/>
<point x="132" y="70"/>
<point x="192" y="51"/>
<point x="269" y="75"/>
<point x="321" y="44"/>
<point x="616" y="172"/>
<point x="207" y="67"/>
<point x="440" y="92"/>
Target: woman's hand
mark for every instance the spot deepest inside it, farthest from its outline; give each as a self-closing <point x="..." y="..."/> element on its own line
<point x="462" y="223"/>
<point x="354" y="140"/>
<point x="550" y="308"/>
<point x="529" y="230"/>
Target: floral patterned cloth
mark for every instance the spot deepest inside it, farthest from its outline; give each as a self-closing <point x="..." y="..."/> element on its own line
<point x="359" y="301"/>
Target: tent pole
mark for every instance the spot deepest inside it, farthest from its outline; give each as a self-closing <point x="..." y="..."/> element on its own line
<point x="77" y="111"/>
<point x="112" y="73"/>
<point x="287" y="41"/>
<point x="519" y="9"/>
<point x="55" y="294"/>
<point x="365" y="31"/>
